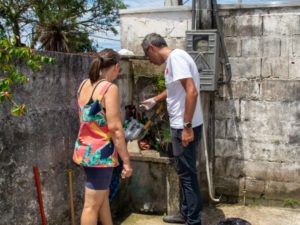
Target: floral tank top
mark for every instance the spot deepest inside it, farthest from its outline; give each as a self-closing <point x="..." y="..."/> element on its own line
<point x="93" y="146"/>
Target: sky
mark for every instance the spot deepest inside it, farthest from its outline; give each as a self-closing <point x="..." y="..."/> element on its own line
<point x="141" y="3"/>
<point x="109" y="40"/>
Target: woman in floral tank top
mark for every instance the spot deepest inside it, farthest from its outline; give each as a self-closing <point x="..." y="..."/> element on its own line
<point x="101" y="137"/>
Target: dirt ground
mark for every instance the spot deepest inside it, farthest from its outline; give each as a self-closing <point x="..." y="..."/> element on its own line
<point x="255" y="215"/>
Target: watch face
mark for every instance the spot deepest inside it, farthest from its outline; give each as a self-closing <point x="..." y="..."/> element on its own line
<point x="188" y="125"/>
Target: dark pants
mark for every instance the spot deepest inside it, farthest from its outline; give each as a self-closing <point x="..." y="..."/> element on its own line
<point x="186" y="169"/>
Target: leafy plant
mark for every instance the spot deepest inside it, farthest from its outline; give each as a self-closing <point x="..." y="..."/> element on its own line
<point x="10" y="57"/>
<point x="159" y="133"/>
<point x="159" y="82"/>
<point x="291" y="202"/>
<point x="59" y="25"/>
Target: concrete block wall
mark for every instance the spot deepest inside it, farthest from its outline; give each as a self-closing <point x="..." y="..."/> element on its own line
<point x="257" y="150"/>
<point x="257" y="143"/>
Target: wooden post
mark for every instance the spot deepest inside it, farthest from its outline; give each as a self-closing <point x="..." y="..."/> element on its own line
<point x="173" y="2"/>
<point x="203" y="14"/>
<point x="70" y="176"/>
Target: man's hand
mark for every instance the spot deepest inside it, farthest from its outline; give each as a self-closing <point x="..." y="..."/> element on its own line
<point x="187" y="136"/>
<point x="148" y="104"/>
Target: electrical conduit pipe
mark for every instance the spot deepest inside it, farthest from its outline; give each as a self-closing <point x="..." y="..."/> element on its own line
<point x="209" y="177"/>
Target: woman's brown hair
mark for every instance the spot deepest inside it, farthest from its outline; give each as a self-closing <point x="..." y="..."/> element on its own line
<point x="104" y="59"/>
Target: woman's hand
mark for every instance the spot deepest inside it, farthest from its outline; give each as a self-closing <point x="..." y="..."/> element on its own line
<point x="127" y="170"/>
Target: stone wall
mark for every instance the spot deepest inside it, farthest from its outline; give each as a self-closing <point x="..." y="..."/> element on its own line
<point x="45" y="137"/>
<point x="257" y="142"/>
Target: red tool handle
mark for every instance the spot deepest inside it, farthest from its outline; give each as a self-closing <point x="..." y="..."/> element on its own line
<point x="39" y="193"/>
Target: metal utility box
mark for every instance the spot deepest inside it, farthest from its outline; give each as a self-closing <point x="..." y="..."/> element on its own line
<point x="203" y="46"/>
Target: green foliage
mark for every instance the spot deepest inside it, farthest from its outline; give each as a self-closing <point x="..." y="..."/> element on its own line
<point x="159" y="82"/>
<point x="58" y="25"/>
<point x="81" y="43"/>
<point x="10" y="56"/>
<point x="159" y="133"/>
<point x="291" y="203"/>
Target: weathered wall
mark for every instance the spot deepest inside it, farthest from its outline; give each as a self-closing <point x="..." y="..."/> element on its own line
<point x="257" y="142"/>
<point x="153" y="188"/>
<point x="45" y="137"/>
<point x="257" y="115"/>
<point x="171" y="22"/>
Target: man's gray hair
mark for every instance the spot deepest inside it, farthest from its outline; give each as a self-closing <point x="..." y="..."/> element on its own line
<point x="153" y="39"/>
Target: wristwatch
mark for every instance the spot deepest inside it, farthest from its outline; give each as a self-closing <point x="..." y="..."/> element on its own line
<point x="187" y="125"/>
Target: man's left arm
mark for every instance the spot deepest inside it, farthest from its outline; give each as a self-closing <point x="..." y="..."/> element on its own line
<point x="190" y="104"/>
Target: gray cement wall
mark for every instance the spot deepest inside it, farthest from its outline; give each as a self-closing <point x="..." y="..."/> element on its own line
<point x="45" y="137"/>
<point x="153" y="188"/>
<point x="257" y="150"/>
<point x="257" y="142"/>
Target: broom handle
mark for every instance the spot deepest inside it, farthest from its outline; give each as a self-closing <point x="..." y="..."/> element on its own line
<point x="70" y="175"/>
<point x="39" y="193"/>
<point x="150" y="121"/>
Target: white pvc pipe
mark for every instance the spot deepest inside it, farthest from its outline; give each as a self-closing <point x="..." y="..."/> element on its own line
<point x="209" y="180"/>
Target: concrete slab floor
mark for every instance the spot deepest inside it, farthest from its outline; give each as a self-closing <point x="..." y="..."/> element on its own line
<point x="256" y="215"/>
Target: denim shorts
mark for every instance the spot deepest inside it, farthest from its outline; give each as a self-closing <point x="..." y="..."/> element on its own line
<point x="98" y="178"/>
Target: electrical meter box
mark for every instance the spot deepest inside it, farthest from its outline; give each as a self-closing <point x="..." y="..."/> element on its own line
<point x="203" y="46"/>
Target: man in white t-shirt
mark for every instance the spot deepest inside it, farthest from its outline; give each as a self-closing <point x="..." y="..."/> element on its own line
<point x="184" y="108"/>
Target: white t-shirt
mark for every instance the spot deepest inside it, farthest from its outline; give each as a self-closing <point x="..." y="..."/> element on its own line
<point x="180" y="65"/>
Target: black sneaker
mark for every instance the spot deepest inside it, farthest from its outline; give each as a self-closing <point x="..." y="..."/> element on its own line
<point x="178" y="218"/>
